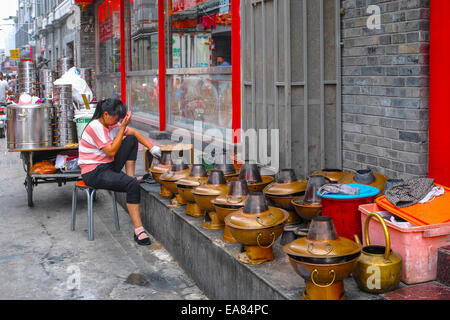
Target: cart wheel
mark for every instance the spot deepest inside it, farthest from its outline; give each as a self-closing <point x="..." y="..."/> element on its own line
<point x="29" y="187"/>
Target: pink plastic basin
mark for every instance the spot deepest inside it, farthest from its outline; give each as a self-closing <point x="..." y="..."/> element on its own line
<point x="418" y="246"/>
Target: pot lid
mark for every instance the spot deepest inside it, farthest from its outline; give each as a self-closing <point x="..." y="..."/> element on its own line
<point x="286" y="189"/>
<point x="322" y="242"/>
<point x="271" y="217"/>
<point x="160" y="168"/>
<point x="29" y="106"/>
<point x="228" y="201"/>
<point x="191" y="182"/>
<point x="211" y="189"/>
<point x="174" y="175"/>
<point x="365" y="191"/>
<point x="334" y="175"/>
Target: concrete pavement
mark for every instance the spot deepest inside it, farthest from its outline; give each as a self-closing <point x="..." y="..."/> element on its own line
<point x="40" y="258"/>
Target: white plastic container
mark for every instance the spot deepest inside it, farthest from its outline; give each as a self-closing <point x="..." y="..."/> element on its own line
<point x="82" y="118"/>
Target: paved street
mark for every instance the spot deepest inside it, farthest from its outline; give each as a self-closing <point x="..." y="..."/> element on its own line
<point x="40" y="258"/>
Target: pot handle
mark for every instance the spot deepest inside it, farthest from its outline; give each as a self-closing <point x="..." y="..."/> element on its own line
<point x="386" y="233"/>
<point x="331" y="272"/>
<point x="265" y="247"/>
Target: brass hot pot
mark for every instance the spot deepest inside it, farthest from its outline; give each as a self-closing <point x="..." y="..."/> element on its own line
<point x="164" y="165"/>
<point x="323" y="260"/>
<point x="231" y="202"/>
<point x="250" y="173"/>
<point x="215" y="186"/>
<point x="257" y="226"/>
<point x="284" y="190"/>
<point x="186" y="185"/>
<point x="367" y="177"/>
<point x="170" y="178"/>
<point x="310" y="205"/>
<point x="229" y="171"/>
<point x="334" y="175"/>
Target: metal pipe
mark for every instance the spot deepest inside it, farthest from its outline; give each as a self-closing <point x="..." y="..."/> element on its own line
<point x="305" y="94"/>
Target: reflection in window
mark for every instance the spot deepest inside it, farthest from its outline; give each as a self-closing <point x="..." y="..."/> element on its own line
<point x="144" y="34"/>
<point x="204" y="98"/>
<point x="200" y="33"/>
<point x="109" y="36"/>
<point x="144" y="95"/>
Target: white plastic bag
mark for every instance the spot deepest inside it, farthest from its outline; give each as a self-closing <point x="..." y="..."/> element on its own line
<point x="79" y="85"/>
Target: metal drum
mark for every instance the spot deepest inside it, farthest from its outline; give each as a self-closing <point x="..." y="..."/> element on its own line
<point x="27" y="78"/>
<point x="29" y="126"/>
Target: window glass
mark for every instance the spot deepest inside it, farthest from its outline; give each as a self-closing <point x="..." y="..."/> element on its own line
<point x="200" y="33"/>
<point x="202" y="97"/>
<point x="109" y="36"/>
<point x="144" y="95"/>
<point x="143" y="33"/>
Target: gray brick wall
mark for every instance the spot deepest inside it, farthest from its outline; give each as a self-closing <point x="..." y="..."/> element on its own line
<point x="385" y="87"/>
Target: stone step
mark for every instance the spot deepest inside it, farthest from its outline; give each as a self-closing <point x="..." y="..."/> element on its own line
<point x="213" y="264"/>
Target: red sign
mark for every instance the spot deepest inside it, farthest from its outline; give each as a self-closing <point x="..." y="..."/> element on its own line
<point x="109" y="20"/>
<point x="107" y="8"/>
<point x="180" y="5"/>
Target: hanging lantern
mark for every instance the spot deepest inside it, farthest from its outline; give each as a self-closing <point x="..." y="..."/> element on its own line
<point x="83" y="3"/>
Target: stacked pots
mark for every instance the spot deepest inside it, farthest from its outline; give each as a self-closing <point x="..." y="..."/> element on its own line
<point x="27" y="78"/>
<point x="250" y="173"/>
<point x="229" y="203"/>
<point x="215" y="186"/>
<point x="164" y="165"/>
<point x="170" y="178"/>
<point x="186" y="185"/>
<point x="284" y="190"/>
<point x="257" y="225"/>
<point x="323" y="260"/>
<point x="64" y="131"/>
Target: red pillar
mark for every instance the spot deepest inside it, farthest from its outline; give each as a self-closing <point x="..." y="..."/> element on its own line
<point x="162" y="67"/>
<point x="123" y="71"/>
<point x="439" y="107"/>
<point x="236" y="65"/>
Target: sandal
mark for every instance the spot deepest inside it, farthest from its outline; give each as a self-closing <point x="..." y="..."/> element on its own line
<point x="142" y="242"/>
<point x="146" y="178"/>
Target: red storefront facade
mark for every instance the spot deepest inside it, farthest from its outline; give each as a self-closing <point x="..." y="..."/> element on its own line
<point x="183" y="85"/>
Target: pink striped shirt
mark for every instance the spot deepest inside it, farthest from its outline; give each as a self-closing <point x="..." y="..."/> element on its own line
<point x="94" y="138"/>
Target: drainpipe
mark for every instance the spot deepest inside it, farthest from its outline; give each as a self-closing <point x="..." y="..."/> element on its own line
<point x="236" y="66"/>
<point x="439" y="106"/>
<point x="123" y="71"/>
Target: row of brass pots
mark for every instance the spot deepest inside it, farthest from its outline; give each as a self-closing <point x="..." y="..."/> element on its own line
<point x="322" y="258"/>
